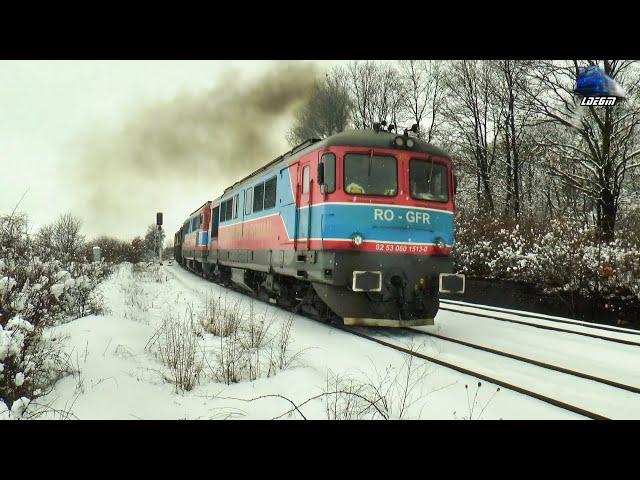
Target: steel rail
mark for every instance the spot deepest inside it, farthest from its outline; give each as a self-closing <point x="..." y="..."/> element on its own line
<point x="531" y="361"/>
<point x="578" y="323"/>
<point x="544" y="327"/>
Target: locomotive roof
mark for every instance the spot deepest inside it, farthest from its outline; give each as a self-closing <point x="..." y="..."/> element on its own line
<point x="349" y="138"/>
<point x="200" y="207"/>
<point x="369" y="138"/>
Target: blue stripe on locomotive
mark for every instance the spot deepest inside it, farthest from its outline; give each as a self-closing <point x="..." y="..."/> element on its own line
<point x="341" y="221"/>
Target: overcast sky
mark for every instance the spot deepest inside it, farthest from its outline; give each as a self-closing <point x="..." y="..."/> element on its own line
<point x="47" y="108"/>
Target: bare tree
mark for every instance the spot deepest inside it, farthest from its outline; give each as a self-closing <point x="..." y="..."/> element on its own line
<point x="423" y="82"/>
<point x="509" y="82"/>
<point x="327" y="110"/>
<point x="601" y="145"/>
<point x="362" y="84"/>
<point x="153" y="240"/>
<point x="471" y="112"/>
<point x="66" y="241"/>
<point x="377" y="93"/>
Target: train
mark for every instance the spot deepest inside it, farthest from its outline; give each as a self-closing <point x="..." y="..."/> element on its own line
<point x="356" y="228"/>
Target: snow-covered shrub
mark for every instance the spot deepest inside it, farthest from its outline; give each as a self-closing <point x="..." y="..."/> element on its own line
<point x="554" y="256"/>
<point x="30" y="291"/>
<point x="82" y="296"/>
<point x="628" y="226"/>
<point x="35" y="293"/>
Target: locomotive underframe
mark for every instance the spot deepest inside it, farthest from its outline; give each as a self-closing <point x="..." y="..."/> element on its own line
<point x="320" y="282"/>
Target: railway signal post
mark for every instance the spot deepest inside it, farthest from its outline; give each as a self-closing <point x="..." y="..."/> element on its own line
<point x="158" y="235"/>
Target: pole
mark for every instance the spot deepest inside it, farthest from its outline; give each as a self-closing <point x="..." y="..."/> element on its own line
<point x="158" y="234"/>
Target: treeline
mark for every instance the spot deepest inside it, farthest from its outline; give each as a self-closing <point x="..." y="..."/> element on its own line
<point x="114" y="250"/>
<point x="63" y="240"/>
<point x="521" y="144"/>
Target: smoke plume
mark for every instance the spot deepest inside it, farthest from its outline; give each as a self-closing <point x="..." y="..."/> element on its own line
<point x="169" y="155"/>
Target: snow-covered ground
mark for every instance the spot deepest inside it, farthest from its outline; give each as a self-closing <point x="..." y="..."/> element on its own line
<point x="120" y="378"/>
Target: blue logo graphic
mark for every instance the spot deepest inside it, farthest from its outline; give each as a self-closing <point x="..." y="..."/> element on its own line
<point x="593" y="82"/>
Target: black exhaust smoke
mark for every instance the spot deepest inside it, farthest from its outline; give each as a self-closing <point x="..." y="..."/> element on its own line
<point x="175" y="155"/>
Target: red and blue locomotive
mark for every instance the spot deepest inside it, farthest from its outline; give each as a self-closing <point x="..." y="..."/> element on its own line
<point x="356" y="227"/>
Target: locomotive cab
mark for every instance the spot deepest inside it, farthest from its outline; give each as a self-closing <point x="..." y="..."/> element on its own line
<point x="386" y="228"/>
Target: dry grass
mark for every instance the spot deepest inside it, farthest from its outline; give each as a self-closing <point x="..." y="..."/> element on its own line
<point x="219" y="317"/>
<point x="249" y="344"/>
<point x="176" y="344"/>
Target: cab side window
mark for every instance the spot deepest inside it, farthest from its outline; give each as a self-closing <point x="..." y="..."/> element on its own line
<point x="306" y="179"/>
<point x="229" y="209"/>
<point x="214" y="226"/>
<point x="258" y="197"/>
<point x="236" y="203"/>
<point x="329" y="162"/>
<point x="248" y="201"/>
<point x="270" y="187"/>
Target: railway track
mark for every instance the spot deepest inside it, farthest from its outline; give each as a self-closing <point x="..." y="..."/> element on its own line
<point x="544" y="398"/>
<point x="362" y="333"/>
<point x="530" y="361"/>
<point x="547" y="318"/>
<point x="547" y="327"/>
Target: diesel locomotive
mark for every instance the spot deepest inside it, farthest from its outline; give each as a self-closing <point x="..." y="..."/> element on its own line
<point x="356" y="228"/>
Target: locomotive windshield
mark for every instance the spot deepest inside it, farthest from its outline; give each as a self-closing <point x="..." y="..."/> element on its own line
<point x="370" y="175"/>
<point x="428" y="180"/>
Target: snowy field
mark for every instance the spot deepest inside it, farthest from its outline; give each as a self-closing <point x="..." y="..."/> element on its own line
<point x="120" y="374"/>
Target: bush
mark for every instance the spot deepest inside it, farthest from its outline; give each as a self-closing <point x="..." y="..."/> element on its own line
<point x="220" y="319"/>
<point x="387" y="395"/>
<point x="35" y="294"/>
<point x="176" y="344"/>
<point x="249" y="346"/>
<point x="553" y="256"/>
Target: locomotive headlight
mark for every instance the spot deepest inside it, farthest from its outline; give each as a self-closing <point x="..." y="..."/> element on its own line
<point x="410" y="142"/>
<point x="357" y="239"/>
<point x="441" y="243"/>
<point x="399" y="141"/>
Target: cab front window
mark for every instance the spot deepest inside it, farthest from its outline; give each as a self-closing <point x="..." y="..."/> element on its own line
<point x="370" y="175"/>
<point x="428" y="180"/>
